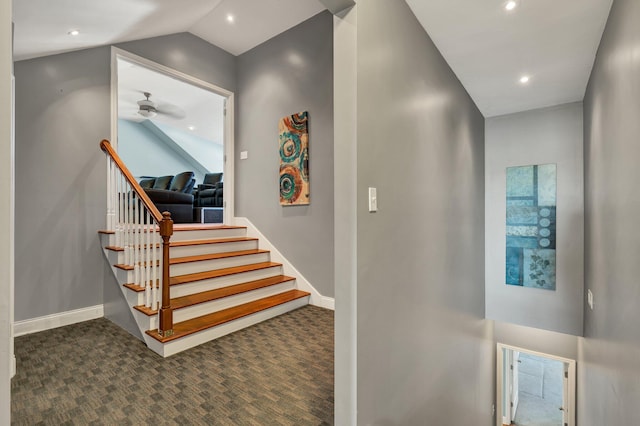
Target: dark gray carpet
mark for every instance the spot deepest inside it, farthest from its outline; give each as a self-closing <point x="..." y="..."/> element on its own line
<point x="279" y="372"/>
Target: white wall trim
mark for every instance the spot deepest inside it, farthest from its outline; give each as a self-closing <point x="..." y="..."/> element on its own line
<point x="303" y="284"/>
<point x="47" y="322"/>
<point x="345" y="235"/>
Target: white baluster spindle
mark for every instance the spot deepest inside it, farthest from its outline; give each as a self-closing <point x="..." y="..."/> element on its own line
<point x="147" y="260"/>
<point x="136" y="239"/>
<point x="157" y="270"/>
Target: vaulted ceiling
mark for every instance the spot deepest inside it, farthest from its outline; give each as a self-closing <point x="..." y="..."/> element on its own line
<point x="488" y="47"/>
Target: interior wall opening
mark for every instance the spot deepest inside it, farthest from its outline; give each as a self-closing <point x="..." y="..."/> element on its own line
<point x="174" y="132"/>
<point x="534" y="389"/>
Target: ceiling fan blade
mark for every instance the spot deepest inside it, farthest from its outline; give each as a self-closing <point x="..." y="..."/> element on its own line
<point x="171" y="111"/>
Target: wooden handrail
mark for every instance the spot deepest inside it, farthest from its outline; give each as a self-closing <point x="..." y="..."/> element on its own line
<point x="105" y="145"/>
<point x="165" y="323"/>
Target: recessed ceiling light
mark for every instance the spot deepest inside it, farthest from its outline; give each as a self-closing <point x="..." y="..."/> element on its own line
<point x="524" y="79"/>
<point x="230" y="18"/>
<point x="73" y="32"/>
<point x="510" y="5"/>
<point x="192" y="128"/>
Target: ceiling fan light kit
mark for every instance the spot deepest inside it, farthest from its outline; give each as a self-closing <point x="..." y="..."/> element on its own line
<point x="147" y="108"/>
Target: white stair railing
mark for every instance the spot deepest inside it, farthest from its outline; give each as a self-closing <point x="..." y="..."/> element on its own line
<point x="143" y="233"/>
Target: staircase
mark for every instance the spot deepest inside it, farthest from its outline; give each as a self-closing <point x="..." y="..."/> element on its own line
<point x="220" y="282"/>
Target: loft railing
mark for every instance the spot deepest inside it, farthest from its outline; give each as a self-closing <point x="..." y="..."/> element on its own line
<point x="140" y="229"/>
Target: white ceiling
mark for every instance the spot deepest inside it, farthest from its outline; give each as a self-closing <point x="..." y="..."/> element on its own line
<point x="553" y="41"/>
<point x="489" y="48"/>
<point x="42" y="26"/>
<point x="192" y="110"/>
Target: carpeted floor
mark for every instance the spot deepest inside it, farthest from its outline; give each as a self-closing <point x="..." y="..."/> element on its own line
<point x="279" y="372"/>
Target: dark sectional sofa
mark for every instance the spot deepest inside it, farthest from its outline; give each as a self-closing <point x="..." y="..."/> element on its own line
<point x="172" y="194"/>
<point x="209" y="192"/>
<point x="177" y="195"/>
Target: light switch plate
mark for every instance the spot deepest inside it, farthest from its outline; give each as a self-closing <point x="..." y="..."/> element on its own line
<point x="244" y="155"/>
<point x="590" y="298"/>
<point x="373" y="200"/>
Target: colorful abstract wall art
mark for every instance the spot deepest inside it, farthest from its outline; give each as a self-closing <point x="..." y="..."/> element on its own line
<point x="294" y="159"/>
<point x="531" y="226"/>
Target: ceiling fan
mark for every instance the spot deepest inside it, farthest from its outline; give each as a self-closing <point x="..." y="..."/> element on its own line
<point x="149" y="109"/>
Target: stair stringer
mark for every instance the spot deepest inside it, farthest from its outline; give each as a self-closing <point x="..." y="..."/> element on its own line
<point x="303" y="284"/>
<point x="143" y="322"/>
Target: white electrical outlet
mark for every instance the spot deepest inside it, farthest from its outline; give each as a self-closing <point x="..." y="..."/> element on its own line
<point x="244" y="155"/>
<point x="373" y="200"/>
<point x="590" y="298"/>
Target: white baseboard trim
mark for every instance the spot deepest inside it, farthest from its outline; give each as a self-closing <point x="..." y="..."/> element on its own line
<point x="316" y="298"/>
<point x="47" y="322"/>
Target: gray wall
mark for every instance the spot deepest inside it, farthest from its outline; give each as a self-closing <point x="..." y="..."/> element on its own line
<point x="189" y="54"/>
<point x="6" y="213"/>
<point x="609" y="366"/>
<point x="543" y="136"/>
<point x="290" y="73"/>
<point x="425" y="353"/>
<point x="62" y="113"/>
<point x="535" y="339"/>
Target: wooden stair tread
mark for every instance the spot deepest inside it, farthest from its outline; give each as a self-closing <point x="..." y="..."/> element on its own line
<point x="207" y="296"/>
<point x="204" y="322"/>
<point x="202" y="227"/>
<point x="199" y="276"/>
<point x="124" y="267"/>
<point x="213" y="256"/>
<point x="144" y="246"/>
<point x="137" y="288"/>
<point x="131" y="267"/>
<point x="219" y="293"/>
<point x="211" y="241"/>
<point x="181" y="227"/>
<point x="192" y="243"/>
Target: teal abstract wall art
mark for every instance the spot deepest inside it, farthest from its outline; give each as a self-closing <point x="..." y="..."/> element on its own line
<point x="294" y="159"/>
<point x="531" y="226"/>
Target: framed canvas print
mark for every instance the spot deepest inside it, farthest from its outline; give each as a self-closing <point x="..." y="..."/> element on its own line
<point x="294" y="159"/>
<point x="531" y="226"/>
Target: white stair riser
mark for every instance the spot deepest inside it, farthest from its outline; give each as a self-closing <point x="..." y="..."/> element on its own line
<point x="179" y="345"/>
<point x="113" y="257"/>
<point x="142" y="255"/>
<point x="207" y="234"/>
<point x="198" y="249"/>
<point x="200" y="309"/>
<point x="128" y="277"/>
<point x="118" y="257"/>
<point x="134" y="298"/>
<point x="199" y="234"/>
<point x="124" y="277"/>
<point x="214" y="283"/>
<point x="106" y="239"/>
<point x="214" y="264"/>
<point x="144" y="321"/>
